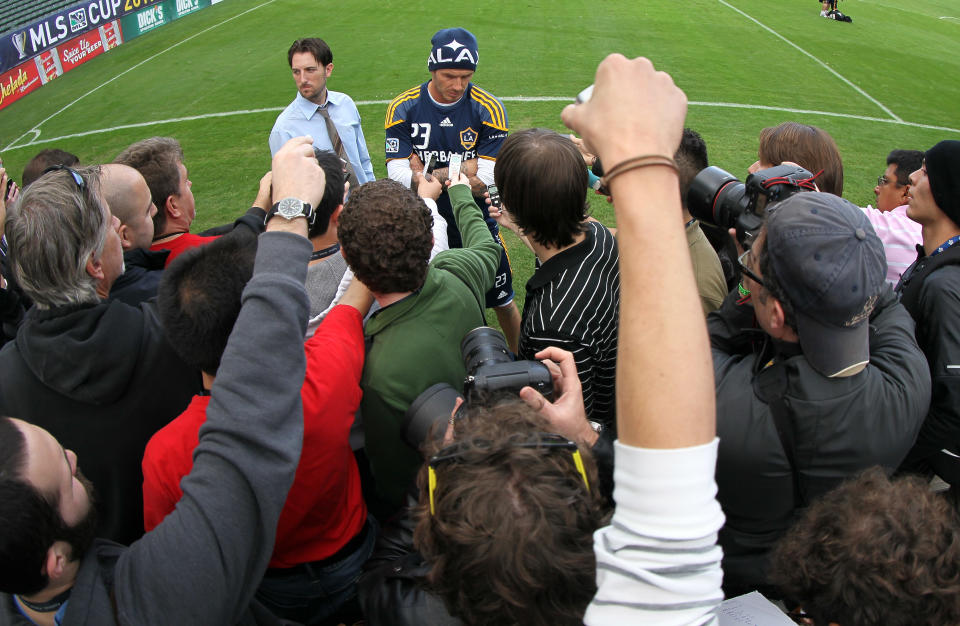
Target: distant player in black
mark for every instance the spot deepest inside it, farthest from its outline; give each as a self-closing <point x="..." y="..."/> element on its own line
<point x="450" y="115"/>
<point x="828" y="9"/>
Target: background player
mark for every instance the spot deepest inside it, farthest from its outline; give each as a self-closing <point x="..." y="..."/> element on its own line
<point x="450" y="115"/>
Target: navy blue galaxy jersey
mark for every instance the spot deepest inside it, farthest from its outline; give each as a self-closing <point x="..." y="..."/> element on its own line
<point x="474" y="126"/>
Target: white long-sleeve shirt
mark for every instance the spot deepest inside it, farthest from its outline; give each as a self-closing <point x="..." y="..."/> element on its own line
<point x="658" y="561"/>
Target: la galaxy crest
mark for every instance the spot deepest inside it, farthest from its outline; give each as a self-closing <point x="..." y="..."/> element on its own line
<point x="468" y="138"/>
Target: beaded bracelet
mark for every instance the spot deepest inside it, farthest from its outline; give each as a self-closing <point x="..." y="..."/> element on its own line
<point x="637" y="162"/>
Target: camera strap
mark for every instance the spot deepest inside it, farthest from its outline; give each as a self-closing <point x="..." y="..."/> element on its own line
<point x="785" y="430"/>
<point x="771" y="386"/>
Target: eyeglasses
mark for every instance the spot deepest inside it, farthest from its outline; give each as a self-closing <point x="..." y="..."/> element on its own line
<point x="546" y="441"/>
<point x="747" y="271"/>
<point x="77" y="178"/>
<point x="883" y="180"/>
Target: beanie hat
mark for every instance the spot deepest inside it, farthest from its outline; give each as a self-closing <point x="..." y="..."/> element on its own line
<point x="453" y="48"/>
<point x="943" y="171"/>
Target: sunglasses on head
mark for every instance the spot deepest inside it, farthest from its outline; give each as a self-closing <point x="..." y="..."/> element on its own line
<point x="77" y="178"/>
<point x="546" y="441"/>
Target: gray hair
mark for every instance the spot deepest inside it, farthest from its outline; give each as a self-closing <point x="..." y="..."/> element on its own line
<point x="52" y="232"/>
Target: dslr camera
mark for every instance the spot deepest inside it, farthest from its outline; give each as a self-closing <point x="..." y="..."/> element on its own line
<point x="718" y="197"/>
<point x="492" y="375"/>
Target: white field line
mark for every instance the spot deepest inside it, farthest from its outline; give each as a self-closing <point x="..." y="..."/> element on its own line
<point x="821" y="63"/>
<point x="35" y="131"/>
<point x="729" y="105"/>
<point x="950" y="17"/>
<point x="36" y="128"/>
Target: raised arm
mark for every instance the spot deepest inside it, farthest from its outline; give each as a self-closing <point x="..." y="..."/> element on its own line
<point x="210" y="553"/>
<point x="658" y="560"/>
<point x="664" y="374"/>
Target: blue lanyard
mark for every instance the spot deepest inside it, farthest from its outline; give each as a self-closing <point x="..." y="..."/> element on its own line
<point x="946" y="244"/>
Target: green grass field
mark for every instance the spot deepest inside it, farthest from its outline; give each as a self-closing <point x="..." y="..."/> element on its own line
<point x="216" y="79"/>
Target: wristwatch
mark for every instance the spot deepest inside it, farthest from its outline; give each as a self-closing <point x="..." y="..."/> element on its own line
<point x="291" y="209"/>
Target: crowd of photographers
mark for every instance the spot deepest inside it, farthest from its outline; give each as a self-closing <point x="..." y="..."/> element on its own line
<point x="302" y="417"/>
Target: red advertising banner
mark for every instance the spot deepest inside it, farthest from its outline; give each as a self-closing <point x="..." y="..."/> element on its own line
<point x="80" y="50"/>
<point x="48" y="65"/>
<point x="18" y="82"/>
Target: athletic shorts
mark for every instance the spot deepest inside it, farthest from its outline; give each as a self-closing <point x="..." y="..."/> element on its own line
<point x="502" y="292"/>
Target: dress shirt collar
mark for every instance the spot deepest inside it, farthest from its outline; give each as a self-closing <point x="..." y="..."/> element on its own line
<point x="308" y="108"/>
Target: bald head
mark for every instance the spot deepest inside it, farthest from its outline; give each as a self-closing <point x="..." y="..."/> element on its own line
<point x="128" y="195"/>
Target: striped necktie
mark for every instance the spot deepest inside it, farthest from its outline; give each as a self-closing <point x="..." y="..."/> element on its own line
<point x="338" y="147"/>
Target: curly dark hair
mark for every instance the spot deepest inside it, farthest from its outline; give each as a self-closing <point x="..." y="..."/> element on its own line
<point x="511" y="540"/>
<point x="386" y="234"/>
<point x="874" y="551"/>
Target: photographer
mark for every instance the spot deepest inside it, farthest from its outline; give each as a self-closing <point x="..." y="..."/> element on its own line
<point x="818" y="374"/>
<point x="429" y="578"/>
<point x="501" y="529"/>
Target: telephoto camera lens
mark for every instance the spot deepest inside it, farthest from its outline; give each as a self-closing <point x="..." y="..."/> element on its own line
<point x="433" y="406"/>
<point x="483" y="346"/>
<point x="717" y="197"/>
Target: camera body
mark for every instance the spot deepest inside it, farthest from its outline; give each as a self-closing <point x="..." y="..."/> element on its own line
<point x="492" y="375"/>
<point x="718" y="197"/>
<point x="492" y="372"/>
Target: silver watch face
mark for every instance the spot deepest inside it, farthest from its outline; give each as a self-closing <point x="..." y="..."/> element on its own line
<point x="290" y="208"/>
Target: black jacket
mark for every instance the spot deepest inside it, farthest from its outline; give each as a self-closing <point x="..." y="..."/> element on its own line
<point x="11" y="313"/>
<point x="12" y="300"/>
<point x="141" y="276"/>
<point x="102" y="378"/>
<point x="841" y="425"/>
<point x="392" y="590"/>
<point x="933" y="299"/>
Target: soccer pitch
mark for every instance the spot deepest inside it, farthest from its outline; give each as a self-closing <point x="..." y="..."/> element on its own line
<point x="217" y="79"/>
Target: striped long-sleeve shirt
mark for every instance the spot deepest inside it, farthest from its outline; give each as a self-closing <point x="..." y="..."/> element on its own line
<point x="658" y="561"/>
<point x="573" y="302"/>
